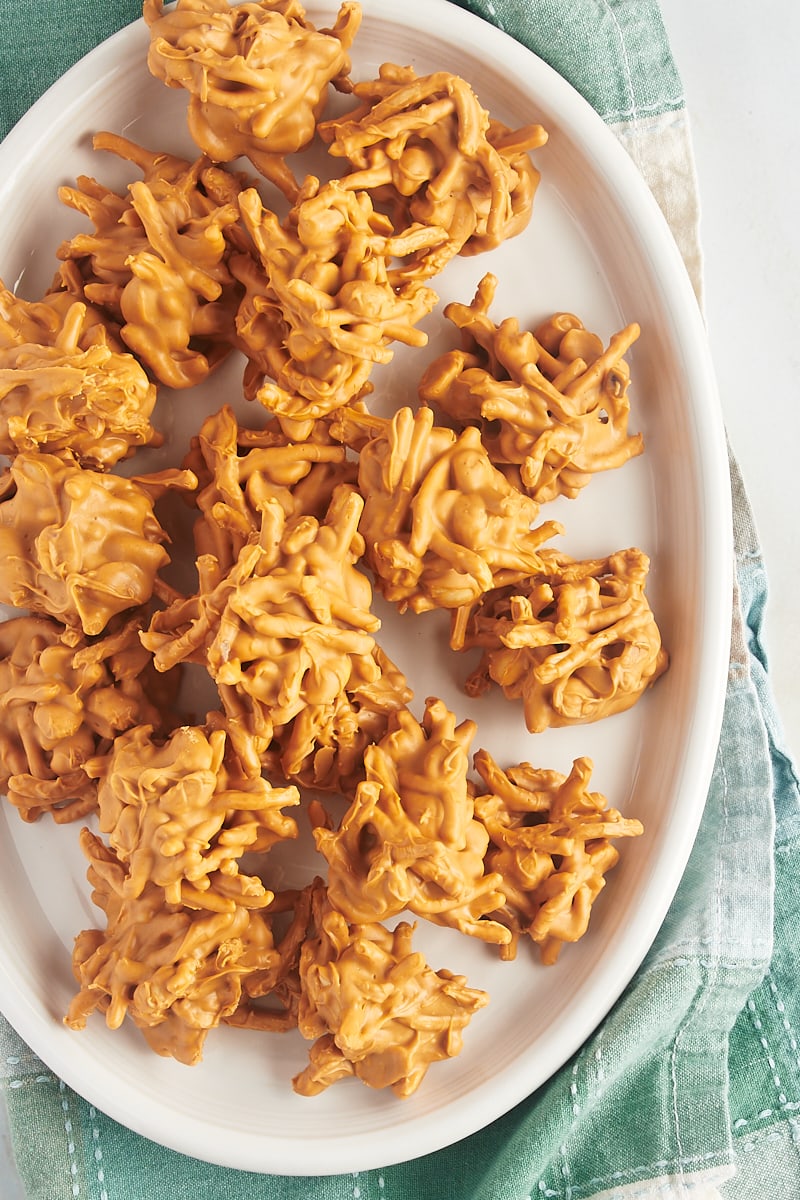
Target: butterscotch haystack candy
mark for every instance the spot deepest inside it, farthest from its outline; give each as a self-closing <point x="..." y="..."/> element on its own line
<point x="79" y="545"/>
<point x="92" y="402"/>
<point x="377" y="1010"/>
<point x="240" y="470"/>
<point x="95" y="265"/>
<point x="319" y="309"/>
<point x="156" y="262"/>
<point x="551" y="845"/>
<point x="41" y="322"/>
<point x="176" y="972"/>
<point x="60" y="705"/>
<point x="287" y="634"/>
<point x="576" y="642"/>
<point x="441" y="524"/>
<point x="409" y="839"/>
<point x="433" y="156"/>
<point x="552" y="405"/>
<point x="258" y="74"/>
<point x="181" y="811"/>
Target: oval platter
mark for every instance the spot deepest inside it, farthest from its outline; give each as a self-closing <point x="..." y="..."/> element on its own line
<point x="597" y="246"/>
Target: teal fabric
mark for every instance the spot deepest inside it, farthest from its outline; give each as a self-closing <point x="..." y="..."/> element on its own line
<point x="691" y="1085"/>
<point x="614" y="52"/>
<point x="35" y="51"/>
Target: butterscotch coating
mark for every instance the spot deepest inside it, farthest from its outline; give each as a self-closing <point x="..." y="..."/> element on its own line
<point x="61" y="704"/>
<point x="287" y="634"/>
<point x="319" y="309"/>
<point x="176" y="972"/>
<point x="324" y="745"/>
<point x="156" y="261"/>
<point x="551" y="844"/>
<point x="77" y="545"/>
<point x="376" y="1008"/>
<point x="409" y="839"/>
<point x="41" y="322"/>
<point x="240" y="470"/>
<point x="100" y="258"/>
<point x="94" y="403"/>
<point x="434" y="156"/>
<point x="441" y="524"/>
<point x="257" y="74"/>
<point x="576" y="642"/>
<point x="552" y="405"/>
<point x="290" y="912"/>
<point x="180" y="812"/>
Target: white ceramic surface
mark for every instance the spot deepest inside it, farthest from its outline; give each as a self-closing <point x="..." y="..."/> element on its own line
<point x="597" y="246"/>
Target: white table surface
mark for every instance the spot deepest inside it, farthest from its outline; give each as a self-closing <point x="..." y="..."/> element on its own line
<point x="739" y="68"/>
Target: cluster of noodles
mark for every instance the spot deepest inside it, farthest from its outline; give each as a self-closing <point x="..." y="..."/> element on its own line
<point x="426" y="148"/>
<point x="287" y="635"/>
<point x="576" y="642"/>
<point x="292" y="525"/>
<point x="240" y="471"/>
<point x="182" y="814"/>
<point x="176" y="971"/>
<point x="62" y="704"/>
<point x="64" y="384"/>
<point x="552" y="405"/>
<point x="257" y="74"/>
<point x="156" y="263"/>
<point x="41" y="323"/>
<point x="409" y="839"/>
<point x="442" y="525"/>
<point x="550" y="842"/>
<point x="320" y="309"/>
<point x="80" y="545"/>
<point x="377" y="1010"/>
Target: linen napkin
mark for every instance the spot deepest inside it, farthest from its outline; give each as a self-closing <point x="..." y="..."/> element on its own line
<point x="690" y="1086"/>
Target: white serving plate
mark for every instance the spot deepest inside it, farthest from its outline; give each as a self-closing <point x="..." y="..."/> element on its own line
<point x="597" y="246"/>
